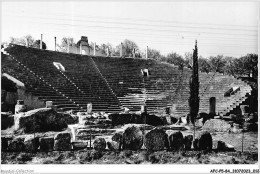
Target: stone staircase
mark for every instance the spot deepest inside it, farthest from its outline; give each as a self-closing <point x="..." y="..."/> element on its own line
<point x="72" y="91"/>
<point x="111" y="83"/>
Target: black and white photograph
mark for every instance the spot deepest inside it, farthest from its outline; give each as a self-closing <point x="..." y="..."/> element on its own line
<point x="129" y="86"/>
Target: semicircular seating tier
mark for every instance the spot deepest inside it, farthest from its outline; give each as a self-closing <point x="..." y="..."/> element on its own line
<point x="111" y="83"/>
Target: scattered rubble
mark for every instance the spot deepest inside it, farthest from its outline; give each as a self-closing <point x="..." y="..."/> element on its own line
<point x="42" y="120"/>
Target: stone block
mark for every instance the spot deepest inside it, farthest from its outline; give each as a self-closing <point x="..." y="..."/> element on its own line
<point x="196" y="144"/>
<point x="176" y="141"/>
<point x="156" y="140"/>
<point x="99" y="144"/>
<point x="62" y="141"/>
<point x="114" y="146"/>
<point x="16" y="145"/>
<point x="49" y="104"/>
<point x="79" y="145"/>
<point x="4" y="144"/>
<point x="43" y="120"/>
<point x="188" y="142"/>
<point x="205" y="141"/>
<point x="46" y="144"/>
<point x="223" y="146"/>
<point x="31" y="143"/>
<point x="216" y="125"/>
<point x="132" y="138"/>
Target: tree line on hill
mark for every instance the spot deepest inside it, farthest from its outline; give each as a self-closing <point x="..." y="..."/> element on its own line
<point x="243" y="66"/>
<point x="31" y="42"/>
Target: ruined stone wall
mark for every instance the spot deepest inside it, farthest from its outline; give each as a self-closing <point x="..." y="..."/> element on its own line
<point x="32" y="102"/>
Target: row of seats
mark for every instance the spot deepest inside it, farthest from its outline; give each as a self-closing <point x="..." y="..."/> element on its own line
<point x="111" y="82"/>
<point x="166" y="85"/>
<point x="77" y="84"/>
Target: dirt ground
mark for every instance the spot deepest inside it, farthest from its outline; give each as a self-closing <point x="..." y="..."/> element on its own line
<point x="130" y="157"/>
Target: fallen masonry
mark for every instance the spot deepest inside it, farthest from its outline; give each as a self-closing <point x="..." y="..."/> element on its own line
<point x="89" y="130"/>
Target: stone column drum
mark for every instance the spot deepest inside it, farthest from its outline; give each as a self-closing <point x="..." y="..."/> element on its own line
<point x="49" y="104"/>
<point x="20" y="107"/>
<point x="89" y="108"/>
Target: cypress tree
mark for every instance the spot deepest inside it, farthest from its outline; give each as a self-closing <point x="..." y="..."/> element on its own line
<point x="194" y="88"/>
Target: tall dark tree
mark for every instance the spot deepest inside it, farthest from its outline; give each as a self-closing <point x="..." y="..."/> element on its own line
<point x="194" y="87"/>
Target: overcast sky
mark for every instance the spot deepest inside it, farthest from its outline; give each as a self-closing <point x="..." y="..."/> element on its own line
<point x="228" y="28"/>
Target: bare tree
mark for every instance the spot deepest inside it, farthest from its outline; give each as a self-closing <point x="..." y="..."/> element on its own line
<point x="63" y="47"/>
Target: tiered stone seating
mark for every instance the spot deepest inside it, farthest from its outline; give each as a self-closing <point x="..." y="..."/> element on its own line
<point x="217" y="87"/>
<point x="111" y="82"/>
<point x="77" y="84"/>
<point x="32" y="82"/>
<point x="166" y="85"/>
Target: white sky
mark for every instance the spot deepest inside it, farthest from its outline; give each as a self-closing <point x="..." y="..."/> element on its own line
<point x="228" y="28"/>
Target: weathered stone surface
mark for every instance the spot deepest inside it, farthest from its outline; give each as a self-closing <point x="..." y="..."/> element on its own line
<point x="16" y="145"/>
<point x="132" y="138"/>
<point x="216" y="125"/>
<point x="116" y="142"/>
<point x="85" y="134"/>
<point x="144" y="118"/>
<point x="176" y="141"/>
<point x="222" y="146"/>
<point x="7" y="121"/>
<point x="195" y="144"/>
<point x="62" y="141"/>
<point x="62" y="135"/>
<point x="20" y="107"/>
<point x="113" y="145"/>
<point x="4" y="144"/>
<point x="99" y="144"/>
<point x="43" y="120"/>
<point x="118" y="137"/>
<point x="79" y="145"/>
<point x="46" y="144"/>
<point x="31" y="143"/>
<point x="156" y="139"/>
<point x="199" y="123"/>
<point x="188" y="142"/>
<point x="120" y="119"/>
<point x="205" y="141"/>
<point x="152" y="119"/>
